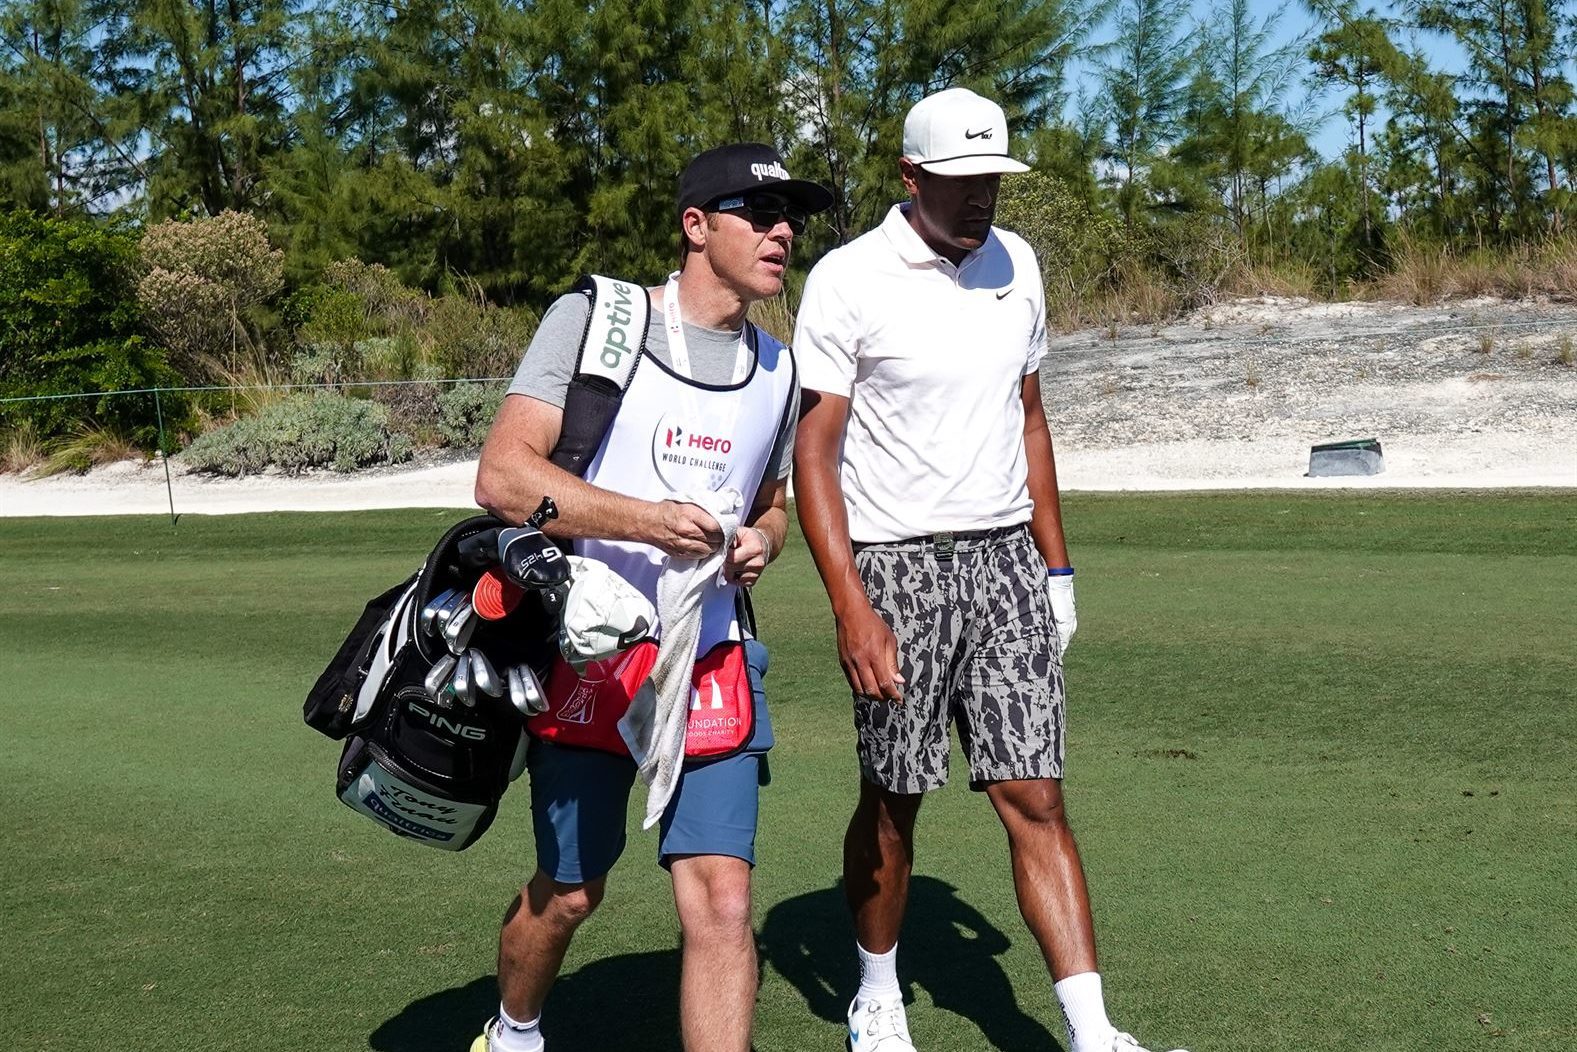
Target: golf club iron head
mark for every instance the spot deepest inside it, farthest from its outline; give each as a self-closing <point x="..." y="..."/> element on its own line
<point x="525" y="690"/>
<point x="446" y="611"/>
<point x="462" y="682"/>
<point x="429" y="619"/>
<point x="438" y="678"/>
<point x="483" y="676"/>
<point x="457" y="633"/>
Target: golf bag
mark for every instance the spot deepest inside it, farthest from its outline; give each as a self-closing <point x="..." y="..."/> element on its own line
<point x="421" y="759"/>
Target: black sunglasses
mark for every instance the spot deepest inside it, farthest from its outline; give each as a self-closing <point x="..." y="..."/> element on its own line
<point x="766" y="210"/>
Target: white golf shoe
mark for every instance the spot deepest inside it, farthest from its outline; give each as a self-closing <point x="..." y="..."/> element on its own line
<point x="485" y="1042"/>
<point x="879" y="1025"/>
<point x="1127" y="1043"/>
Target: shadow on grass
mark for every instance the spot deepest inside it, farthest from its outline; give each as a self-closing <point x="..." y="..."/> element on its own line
<point x="949" y="950"/>
<point x="620" y="1003"/>
<point x="629" y="1003"/>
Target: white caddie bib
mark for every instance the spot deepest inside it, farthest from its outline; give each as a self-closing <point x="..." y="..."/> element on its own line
<point x="673" y="436"/>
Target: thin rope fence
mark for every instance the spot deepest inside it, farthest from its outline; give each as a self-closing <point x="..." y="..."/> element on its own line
<point x="157" y="394"/>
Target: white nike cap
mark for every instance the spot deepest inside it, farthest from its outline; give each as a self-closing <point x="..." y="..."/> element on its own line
<point x="956" y="132"/>
<point x="604" y="614"/>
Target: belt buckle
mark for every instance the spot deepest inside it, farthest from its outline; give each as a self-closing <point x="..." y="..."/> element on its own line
<point x="944" y="545"/>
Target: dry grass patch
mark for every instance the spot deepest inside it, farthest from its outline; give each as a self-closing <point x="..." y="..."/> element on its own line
<point x="1426" y="274"/>
<point x="85" y="447"/>
<point x="1290" y="279"/>
<point x="775" y="317"/>
<point x="21" y="450"/>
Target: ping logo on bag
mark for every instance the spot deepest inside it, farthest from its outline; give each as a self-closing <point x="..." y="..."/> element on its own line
<point x="440" y="722"/>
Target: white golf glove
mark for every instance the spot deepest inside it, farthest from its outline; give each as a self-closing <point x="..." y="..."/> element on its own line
<point x="1060" y="588"/>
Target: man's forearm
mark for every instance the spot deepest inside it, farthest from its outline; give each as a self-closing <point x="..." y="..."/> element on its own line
<point x="1046" y="523"/>
<point x="773" y="524"/>
<point x="512" y="493"/>
<point x="825" y="523"/>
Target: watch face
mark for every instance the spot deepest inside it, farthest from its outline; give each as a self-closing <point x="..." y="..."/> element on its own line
<point x="690" y="455"/>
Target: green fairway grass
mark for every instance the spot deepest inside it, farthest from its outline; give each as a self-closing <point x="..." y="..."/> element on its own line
<point x="1321" y="766"/>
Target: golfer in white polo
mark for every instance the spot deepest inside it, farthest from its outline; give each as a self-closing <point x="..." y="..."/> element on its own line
<point x="927" y="490"/>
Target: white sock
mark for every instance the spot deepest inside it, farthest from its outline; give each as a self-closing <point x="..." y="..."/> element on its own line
<point x="1085" y="1010"/>
<point x="878" y="973"/>
<point x="511" y="1035"/>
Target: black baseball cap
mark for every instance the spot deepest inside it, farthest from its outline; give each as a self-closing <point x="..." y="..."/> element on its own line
<point x="741" y="168"/>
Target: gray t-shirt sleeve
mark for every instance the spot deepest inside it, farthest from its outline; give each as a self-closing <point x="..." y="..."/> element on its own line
<point x="545" y="371"/>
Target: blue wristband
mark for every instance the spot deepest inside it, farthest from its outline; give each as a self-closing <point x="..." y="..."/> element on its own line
<point x="1059" y="571"/>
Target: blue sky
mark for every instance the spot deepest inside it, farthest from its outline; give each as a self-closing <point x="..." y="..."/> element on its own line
<point x="1334" y="134"/>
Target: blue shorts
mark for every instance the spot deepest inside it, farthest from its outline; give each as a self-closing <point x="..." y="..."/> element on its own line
<point x="580" y="799"/>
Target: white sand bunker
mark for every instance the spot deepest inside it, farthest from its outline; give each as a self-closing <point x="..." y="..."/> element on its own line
<point x="1468" y="395"/>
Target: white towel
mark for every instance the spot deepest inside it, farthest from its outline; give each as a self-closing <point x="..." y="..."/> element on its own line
<point x="654" y="730"/>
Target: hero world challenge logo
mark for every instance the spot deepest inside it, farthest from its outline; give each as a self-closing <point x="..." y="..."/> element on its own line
<point x="684" y="454"/>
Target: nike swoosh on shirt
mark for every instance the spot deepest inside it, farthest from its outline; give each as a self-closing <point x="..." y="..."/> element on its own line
<point x="1003" y="294"/>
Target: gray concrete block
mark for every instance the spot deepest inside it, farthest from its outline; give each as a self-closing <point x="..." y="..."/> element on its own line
<point x="1360" y="456"/>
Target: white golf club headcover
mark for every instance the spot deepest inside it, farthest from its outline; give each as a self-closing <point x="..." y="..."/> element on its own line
<point x="604" y="614"/>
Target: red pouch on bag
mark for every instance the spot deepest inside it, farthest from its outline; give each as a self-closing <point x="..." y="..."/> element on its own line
<point x="584" y="709"/>
<point x="722" y="710"/>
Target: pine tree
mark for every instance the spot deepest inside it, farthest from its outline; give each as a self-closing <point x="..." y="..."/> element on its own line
<point x="60" y="83"/>
<point x="1355" y="52"/>
<point x="214" y="98"/>
<point x="1236" y="116"/>
<point x="858" y="65"/>
<point x="1142" y="77"/>
<point x="1519" y="111"/>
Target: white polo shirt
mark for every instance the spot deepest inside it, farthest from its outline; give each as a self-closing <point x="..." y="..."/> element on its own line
<point x="932" y="358"/>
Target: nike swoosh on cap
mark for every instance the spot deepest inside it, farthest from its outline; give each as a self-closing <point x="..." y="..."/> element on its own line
<point x="983" y="134"/>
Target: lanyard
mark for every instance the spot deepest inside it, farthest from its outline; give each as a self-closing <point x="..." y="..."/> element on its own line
<point x="679" y="352"/>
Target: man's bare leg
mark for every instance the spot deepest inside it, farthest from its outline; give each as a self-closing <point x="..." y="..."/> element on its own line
<point x="536" y="934"/>
<point x="717" y="981"/>
<point x="1047" y="873"/>
<point x="878" y="853"/>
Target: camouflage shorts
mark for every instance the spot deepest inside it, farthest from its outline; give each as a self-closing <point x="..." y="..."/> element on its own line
<point x="976" y="643"/>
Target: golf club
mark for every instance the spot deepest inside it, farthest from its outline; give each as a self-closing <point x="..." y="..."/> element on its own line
<point x="484" y="676"/>
<point x="461" y="623"/>
<point x="429" y="619"/>
<point x="438" y="676"/>
<point x="525" y="690"/>
<point x="462" y="682"/>
<point x="446" y="611"/>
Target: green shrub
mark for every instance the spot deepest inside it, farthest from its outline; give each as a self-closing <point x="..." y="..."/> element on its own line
<point x="1081" y="249"/>
<point x="301" y="432"/>
<point x="317" y="363"/>
<point x="472" y="338"/>
<point x="204" y="289"/>
<point x="69" y="323"/>
<point x="466" y="411"/>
